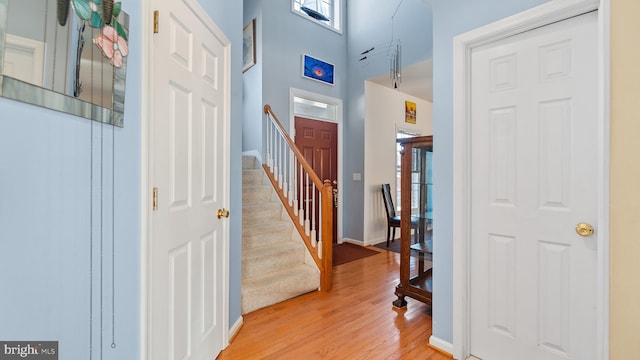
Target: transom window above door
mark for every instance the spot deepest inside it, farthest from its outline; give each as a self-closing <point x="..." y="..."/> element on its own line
<point x="323" y="12"/>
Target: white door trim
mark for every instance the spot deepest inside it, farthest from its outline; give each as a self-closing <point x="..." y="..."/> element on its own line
<point x="146" y="169"/>
<point x="146" y="20"/>
<point x="339" y="120"/>
<point x="542" y="15"/>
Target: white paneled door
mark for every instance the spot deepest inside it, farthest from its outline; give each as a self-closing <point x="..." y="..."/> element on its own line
<point x="534" y="131"/>
<point x="190" y="170"/>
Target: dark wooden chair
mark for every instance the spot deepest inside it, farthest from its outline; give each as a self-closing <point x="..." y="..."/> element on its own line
<point x="393" y="220"/>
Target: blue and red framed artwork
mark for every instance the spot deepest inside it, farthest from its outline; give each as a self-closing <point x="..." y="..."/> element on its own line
<point x="316" y="69"/>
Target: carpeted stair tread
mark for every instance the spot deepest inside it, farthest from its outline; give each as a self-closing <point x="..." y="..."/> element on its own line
<point x="271" y="288"/>
<point x="266" y="234"/>
<point x="255" y="214"/>
<point x="272" y="251"/>
<point x="265" y="228"/>
<point x="257" y="186"/>
<point x="301" y="276"/>
<point x="271" y="258"/>
<point x="253" y="177"/>
<point x="253" y="194"/>
<point x="249" y="162"/>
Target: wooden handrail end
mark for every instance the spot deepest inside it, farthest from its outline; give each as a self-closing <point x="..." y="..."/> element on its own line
<point x="325" y="283"/>
<point x="267" y="108"/>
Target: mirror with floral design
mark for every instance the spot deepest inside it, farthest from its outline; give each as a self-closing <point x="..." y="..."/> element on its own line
<point x="66" y="55"/>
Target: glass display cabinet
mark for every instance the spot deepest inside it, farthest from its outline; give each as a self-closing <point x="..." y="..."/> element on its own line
<point x="415" y="193"/>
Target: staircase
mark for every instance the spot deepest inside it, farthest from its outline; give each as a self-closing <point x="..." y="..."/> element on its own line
<point x="275" y="263"/>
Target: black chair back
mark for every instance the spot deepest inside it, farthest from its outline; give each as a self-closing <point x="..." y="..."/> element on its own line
<point x="388" y="201"/>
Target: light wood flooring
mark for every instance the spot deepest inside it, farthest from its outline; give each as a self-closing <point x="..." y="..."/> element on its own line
<point x="355" y="320"/>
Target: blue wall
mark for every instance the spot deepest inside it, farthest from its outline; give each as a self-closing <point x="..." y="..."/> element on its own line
<point x="252" y="121"/>
<point x="285" y="37"/>
<point x="48" y="289"/>
<point x="45" y="202"/>
<point x="451" y="18"/>
<point x="370" y="26"/>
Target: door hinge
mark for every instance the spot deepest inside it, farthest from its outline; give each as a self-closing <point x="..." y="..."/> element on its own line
<point x="154" y="202"/>
<point x="156" y="25"/>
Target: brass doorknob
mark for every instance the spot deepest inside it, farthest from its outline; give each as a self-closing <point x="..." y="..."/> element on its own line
<point x="223" y="213"/>
<point x="584" y="229"/>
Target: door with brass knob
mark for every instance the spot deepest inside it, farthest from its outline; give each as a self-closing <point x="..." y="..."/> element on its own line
<point x="223" y="213"/>
<point x="187" y="251"/>
<point x="584" y="229"/>
<point x="318" y="143"/>
<point x="533" y="189"/>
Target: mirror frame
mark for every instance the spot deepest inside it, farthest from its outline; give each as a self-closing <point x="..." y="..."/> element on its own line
<point x="11" y="88"/>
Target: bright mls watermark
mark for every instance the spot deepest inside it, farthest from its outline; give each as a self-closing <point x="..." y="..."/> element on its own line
<point x="30" y="350"/>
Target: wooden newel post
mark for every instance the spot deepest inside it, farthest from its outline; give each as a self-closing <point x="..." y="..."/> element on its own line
<point x="327" y="236"/>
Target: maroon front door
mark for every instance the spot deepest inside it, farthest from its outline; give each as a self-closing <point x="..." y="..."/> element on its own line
<point x="318" y="142"/>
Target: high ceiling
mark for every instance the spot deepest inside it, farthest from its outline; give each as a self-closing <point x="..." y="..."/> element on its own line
<point x="417" y="80"/>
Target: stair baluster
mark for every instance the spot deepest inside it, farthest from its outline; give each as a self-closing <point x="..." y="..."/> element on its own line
<point x="307" y="199"/>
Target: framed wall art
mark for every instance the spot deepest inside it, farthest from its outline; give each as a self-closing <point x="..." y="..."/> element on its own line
<point x="249" y="45"/>
<point x="316" y="69"/>
<point x="410" y="112"/>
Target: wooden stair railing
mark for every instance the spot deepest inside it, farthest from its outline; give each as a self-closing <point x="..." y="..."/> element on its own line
<point x="307" y="199"/>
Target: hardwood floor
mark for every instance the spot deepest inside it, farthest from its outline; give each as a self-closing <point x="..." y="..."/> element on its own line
<point x="355" y="320"/>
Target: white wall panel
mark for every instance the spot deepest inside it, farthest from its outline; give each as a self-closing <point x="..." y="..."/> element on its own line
<point x="501" y="275"/>
<point x="502" y="166"/>
<point x="555" y="153"/>
<point x="180" y="303"/>
<point x="554" y="304"/>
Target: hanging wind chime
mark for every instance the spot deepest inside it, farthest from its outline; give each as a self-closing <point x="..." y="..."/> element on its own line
<point x="393" y="50"/>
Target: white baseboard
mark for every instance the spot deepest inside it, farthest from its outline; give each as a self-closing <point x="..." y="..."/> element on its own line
<point x="353" y="241"/>
<point x="365" y="243"/>
<point x="380" y="241"/>
<point x="375" y="241"/>
<point x="441" y="344"/>
<point x="236" y="328"/>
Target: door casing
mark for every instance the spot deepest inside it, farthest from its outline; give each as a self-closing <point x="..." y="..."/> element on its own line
<point x="542" y="15"/>
<point x="293" y="92"/>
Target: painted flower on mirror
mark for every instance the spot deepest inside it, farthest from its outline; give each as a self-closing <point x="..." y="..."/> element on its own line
<point x="113" y="46"/>
<point x="89" y="10"/>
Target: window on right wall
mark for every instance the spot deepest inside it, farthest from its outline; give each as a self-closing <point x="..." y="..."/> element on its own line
<point x="329" y="8"/>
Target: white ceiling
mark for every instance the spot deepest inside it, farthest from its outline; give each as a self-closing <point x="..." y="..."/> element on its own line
<point x="417" y="80"/>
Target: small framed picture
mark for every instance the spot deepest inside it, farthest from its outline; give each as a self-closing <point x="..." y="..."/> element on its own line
<point x="316" y="69"/>
<point x="409" y="112"/>
<point x="249" y="45"/>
